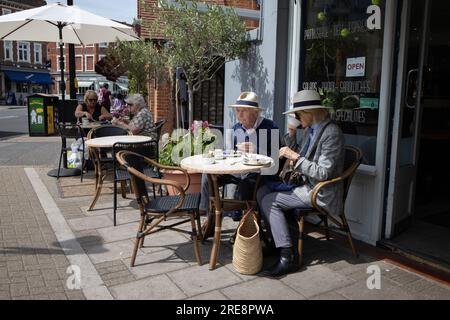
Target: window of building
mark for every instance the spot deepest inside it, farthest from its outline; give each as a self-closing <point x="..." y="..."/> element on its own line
<point x="101" y="56"/>
<point x="6" y="11"/>
<point x="82" y="90"/>
<point x="89" y="62"/>
<point x="78" y="62"/>
<point x="23" y="51"/>
<point x="342" y="50"/>
<point x="103" y="45"/>
<point x="8" y="50"/>
<point x="22" y="87"/>
<point x="38" y="53"/>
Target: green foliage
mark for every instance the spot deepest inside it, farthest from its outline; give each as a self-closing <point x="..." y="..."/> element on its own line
<point x="202" y="42"/>
<point x="143" y="61"/>
<point x="198" y="140"/>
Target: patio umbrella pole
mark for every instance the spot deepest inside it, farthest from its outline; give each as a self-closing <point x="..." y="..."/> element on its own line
<point x="64" y="171"/>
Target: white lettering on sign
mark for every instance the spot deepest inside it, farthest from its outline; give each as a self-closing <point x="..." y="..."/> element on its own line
<point x="374" y="21"/>
<point x="355" y="67"/>
<point x="346" y="115"/>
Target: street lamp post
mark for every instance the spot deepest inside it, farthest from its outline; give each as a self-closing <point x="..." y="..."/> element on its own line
<point x="72" y="89"/>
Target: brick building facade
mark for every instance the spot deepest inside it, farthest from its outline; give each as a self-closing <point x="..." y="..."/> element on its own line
<point x="23" y="69"/>
<point x="161" y="98"/>
<point x="85" y="59"/>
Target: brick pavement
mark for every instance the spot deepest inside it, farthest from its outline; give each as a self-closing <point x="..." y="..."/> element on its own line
<point x="32" y="263"/>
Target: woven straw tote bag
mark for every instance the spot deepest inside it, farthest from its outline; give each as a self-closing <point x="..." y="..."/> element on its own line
<point x="247" y="249"/>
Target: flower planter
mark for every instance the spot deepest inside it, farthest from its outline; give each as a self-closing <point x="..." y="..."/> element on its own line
<point x="195" y="180"/>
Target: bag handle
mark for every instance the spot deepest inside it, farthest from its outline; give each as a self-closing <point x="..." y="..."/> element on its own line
<point x="250" y="209"/>
<point x="316" y="141"/>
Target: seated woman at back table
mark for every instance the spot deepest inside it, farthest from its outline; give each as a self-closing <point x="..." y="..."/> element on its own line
<point x="91" y="109"/>
<point x="142" y="122"/>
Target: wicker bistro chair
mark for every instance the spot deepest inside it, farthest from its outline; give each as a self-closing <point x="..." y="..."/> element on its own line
<point x="353" y="158"/>
<point x="154" y="211"/>
<point x="70" y="131"/>
<point x="147" y="149"/>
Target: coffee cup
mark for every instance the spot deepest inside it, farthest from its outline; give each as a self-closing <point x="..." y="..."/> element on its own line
<point x="85" y="121"/>
<point x="218" y="154"/>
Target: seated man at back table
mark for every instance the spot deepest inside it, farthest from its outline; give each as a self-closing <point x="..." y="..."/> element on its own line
<point x="251" y="127"/>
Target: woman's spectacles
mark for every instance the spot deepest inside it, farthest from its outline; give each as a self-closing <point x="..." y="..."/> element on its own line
<point x="92" y="100"/>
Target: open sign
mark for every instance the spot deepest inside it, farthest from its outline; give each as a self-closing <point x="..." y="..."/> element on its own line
<point x="355" y="67"/>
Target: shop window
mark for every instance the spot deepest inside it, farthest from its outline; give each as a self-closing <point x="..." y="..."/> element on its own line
<point x="342" y="52"/>
<point x="22" y="87"/>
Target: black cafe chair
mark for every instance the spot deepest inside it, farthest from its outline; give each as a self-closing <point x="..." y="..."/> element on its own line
<point x="147" y="149"/>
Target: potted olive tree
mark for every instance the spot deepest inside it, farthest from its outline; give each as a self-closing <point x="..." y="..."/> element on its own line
<point x="197" y="140"/>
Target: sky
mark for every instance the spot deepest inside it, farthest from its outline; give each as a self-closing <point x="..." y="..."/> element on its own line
<point x="120" y="10"/>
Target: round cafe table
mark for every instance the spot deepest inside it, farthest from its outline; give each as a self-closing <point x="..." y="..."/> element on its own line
<point x="231" y="165"/>
<point x="107" y="142"/>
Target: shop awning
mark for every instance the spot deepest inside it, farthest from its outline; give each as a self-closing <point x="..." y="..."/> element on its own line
<point x="28" y="77"/>
<point x="122" y="86"/>
<point x="85" y="84"/>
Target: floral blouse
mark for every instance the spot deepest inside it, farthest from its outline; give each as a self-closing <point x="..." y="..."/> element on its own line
<point x="143" y="120"/>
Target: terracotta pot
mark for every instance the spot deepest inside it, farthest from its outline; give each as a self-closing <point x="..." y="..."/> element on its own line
<point x="195" y="180"/>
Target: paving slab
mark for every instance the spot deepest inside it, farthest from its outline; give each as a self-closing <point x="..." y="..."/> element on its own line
<point x="212" y="295"/>
<point x="388" y="291"/>
<point x="88" y="223"/>
<point x="262" y="289"/>
<point x="110" y="251"/>
<point x="120" y="232"/>
<point x="315" y="280"/>
<point x="156" y="263"/>
<point x="153" y="288"/>
<point x="199" y="279"/>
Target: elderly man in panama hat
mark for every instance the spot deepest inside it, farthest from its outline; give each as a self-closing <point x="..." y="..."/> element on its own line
<point x="247" y="132"/>
<point x="319" y="157"/>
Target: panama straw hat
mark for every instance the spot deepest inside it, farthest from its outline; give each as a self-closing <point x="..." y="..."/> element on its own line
<point x="246" y="100"/>
<point x="305" y="100"/>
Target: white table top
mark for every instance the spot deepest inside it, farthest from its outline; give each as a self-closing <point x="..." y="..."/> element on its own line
<point x="107" y="142"/>
<point x="230" y="165"/>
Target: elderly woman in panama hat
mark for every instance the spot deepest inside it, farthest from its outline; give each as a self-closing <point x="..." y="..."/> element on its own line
<point x="246" y="137"/>
<point x="319" y="157"/>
